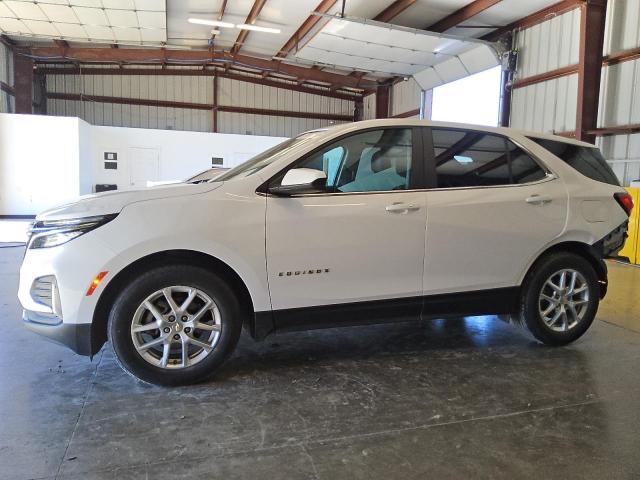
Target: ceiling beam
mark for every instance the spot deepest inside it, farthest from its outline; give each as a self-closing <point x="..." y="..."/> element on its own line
<point x="155" y="56"/>
<point x="269" y="82"/>
<point x="461" y="15"/>
<point x="536" y="18"/>
<point x="393" y="10"/>
<point x="323" y="7"/>
<point x="223" y="7"/>
<point x="251" y="19"/>
<point x="198" y="106"/>
<point x="7" y="42"/>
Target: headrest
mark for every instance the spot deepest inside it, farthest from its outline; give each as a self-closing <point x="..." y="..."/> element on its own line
<point x="402" y="165"/>
<point x="380" y="162"/>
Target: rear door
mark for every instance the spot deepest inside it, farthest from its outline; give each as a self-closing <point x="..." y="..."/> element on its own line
<point x="492" y="209"/>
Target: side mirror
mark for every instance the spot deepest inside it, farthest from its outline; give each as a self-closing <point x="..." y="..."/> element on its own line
<point x="299" y="181"/>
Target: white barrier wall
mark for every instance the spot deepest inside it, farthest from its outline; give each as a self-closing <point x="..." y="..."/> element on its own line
<point x="166" y="155"/>
<point x="46" y="161"/>
<point x="39" y="162"/>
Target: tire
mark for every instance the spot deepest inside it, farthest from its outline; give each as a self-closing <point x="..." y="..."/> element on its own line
<point x="133" y="324"/>
<point x="533" y="305"/>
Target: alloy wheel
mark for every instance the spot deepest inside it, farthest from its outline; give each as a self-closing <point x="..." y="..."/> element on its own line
<point x="564" y="300"/>
<point x="176" y="327"/>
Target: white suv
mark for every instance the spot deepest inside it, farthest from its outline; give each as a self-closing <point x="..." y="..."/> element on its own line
<point x="375" y="221"/>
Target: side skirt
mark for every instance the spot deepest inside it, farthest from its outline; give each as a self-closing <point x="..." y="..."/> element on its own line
<point x="482" y="302"/>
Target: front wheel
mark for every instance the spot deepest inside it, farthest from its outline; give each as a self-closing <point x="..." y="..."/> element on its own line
<point x="174" y="325"/>
<point x="560" y="298"/>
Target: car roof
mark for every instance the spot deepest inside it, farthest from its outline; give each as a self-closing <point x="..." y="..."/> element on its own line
<point x="354" y="126"/>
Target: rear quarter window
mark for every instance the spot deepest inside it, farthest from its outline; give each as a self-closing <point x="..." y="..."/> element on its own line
<point x="586" y="160"/>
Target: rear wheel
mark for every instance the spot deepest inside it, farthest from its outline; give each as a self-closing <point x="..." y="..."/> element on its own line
<point x="174" y="325"/>
<point x="560" y="298"/>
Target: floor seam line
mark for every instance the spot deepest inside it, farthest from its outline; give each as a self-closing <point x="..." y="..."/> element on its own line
<point x="304" y="443"/>
<point x="82" y="408"/>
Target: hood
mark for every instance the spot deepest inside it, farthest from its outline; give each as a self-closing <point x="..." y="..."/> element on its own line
<point x="114" y="201"/>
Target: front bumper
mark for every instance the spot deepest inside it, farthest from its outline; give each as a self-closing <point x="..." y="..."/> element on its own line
<point x="76" y="336"/>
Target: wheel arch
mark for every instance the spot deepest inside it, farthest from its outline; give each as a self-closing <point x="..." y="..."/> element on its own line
<point x="584" y="250"/>
<point x="167" y="257"/>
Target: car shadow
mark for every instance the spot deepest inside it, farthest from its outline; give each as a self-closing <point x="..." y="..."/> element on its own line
<point x="462" y="335"/>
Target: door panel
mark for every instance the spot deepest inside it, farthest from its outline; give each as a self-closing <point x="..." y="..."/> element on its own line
<point x="484" y="238"/>
<point x="323" y="250"/>
<point x="361" y="241"/>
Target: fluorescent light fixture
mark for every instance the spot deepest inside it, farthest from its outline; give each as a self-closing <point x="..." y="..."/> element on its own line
<point x="256" y="28"/>
<point x="211" y="23"/>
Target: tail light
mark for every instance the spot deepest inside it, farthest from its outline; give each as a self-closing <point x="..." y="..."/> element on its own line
<point x="625" y="200"/>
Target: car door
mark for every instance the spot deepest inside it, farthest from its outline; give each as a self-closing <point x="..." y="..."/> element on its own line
<point x="492" y="208"/>
<point x="362" y="242"/>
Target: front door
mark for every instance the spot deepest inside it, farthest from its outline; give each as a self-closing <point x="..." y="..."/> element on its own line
<point x="493" y="209"/>
<point x="361" y="244"/>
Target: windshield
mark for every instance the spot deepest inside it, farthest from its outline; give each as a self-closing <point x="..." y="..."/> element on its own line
<point x="267" y="157"/>
<point x="206" y="175"/>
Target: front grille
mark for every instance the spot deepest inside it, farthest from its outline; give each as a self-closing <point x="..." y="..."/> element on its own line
<point x="44" y="291"/>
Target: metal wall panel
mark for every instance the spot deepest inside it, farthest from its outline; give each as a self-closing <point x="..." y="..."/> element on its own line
<point x="623" y="154"/>
<point x="196" y="89"/>
<point x="6" y="64"/>
<point x="620" y="94"/>
<point x="6" y="76"/>
<point x="549" y="45"/>
<point x="623" y="26"/>
<point x="369" y="104"/>
<point x="405" y="96"/>
<point x="546" y="107"/>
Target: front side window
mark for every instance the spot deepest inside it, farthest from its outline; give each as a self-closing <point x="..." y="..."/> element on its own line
<point x="372" y="161"/>
<point x="477" y="159"/>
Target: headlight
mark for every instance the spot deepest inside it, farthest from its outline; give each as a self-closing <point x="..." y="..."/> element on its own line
<point x="51" y="233"/>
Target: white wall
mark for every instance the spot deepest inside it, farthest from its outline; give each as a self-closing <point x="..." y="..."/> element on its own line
<point x="46" y="161"/>
<point x="180" y="154"/>
<point x="39" y="162"/>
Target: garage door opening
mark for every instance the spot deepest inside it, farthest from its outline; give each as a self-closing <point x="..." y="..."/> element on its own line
<point x="474" y="99"/>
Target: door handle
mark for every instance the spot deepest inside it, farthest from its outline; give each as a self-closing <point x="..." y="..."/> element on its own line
<point x="536" y="199"/>
<point x="399" y="207"/>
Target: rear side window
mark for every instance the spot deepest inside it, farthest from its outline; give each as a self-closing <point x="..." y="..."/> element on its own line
<point x="587" y="160"/>
<point x="467" y="158"/>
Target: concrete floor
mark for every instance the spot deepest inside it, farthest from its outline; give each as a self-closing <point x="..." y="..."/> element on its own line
<point x="467" y="398"/>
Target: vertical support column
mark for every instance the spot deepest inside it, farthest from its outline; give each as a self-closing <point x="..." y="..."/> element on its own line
<point x="505" y="100"/>
<point x="592" y="25"/>
<point x="509" y="63"/>
<point x="215" y="104"/>
<point x="358" y="110"/>
<point x="23" y="81"/>
<point x="382" y="101"/>
<point x="426" y="104"/>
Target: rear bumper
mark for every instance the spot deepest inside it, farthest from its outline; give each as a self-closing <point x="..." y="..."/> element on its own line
<point x="76" y="336"/>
